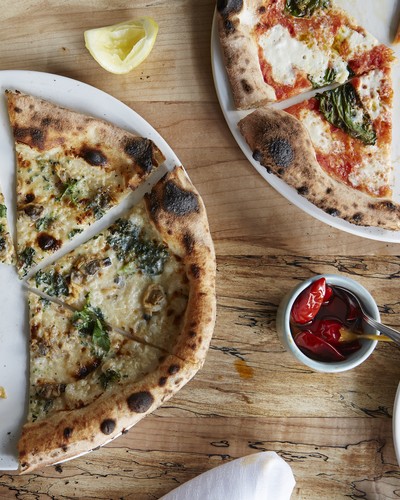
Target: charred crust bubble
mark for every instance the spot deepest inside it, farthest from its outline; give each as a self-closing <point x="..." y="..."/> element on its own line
<point x="140" y="402"/>
<point x="17" y="109"/>
<point x="388" y="205"/>
<point x="178" y="201"/>
<point x="257" y="155"/>
<point x="281" y="152"/>
<point x="141" y="151"/>
<point x="333" y="211"/>
<point x="93" y="156"/>
<point x="33" y="211"/>
<point x="227" y="7"/>
<point x="29" y="135"/>
<point x="29" y="197"/>
<point x="195" y="270"/>
<point x="48" y="242"/>
<point x="229" y="27"/>
<point x="107" y="426"/>
<point x="173" y="369"/>
<point x="246" y="86"/>
<point x="303" y="190"/>
<point x="358" y="217"/>
<point x="86" y="369"/>
<point x="68" y="432"/>
<point x="162" y="381"/>
<point x="188" y="242"/>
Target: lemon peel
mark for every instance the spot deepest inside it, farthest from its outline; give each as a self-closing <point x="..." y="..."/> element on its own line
<point x="122" y="47"/>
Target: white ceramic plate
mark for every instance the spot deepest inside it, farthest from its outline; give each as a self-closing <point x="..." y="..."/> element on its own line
<point x="396" y="424"/>
<point x="378" y="17"/>
<point x="14" y="330"/>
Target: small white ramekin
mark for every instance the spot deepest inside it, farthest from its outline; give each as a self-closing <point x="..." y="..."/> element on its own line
<point x="285" y="334"/>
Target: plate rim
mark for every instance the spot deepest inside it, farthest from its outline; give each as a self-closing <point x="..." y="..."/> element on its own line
<point x="232" y="116"/>
<point x="63" y="91"/>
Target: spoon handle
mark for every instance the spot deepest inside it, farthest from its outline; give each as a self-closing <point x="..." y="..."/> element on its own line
<point x="387" y="330"/>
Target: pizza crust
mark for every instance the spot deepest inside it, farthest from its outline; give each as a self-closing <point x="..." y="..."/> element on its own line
<point x="42" y="125"/>
<point x="240" y="51"/>
<point x="282" y="145"/>
<point x="178" y="213"/>
<point x="71" y="433"/>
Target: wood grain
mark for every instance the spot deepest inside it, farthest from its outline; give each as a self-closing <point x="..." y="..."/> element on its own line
<point x="334" y="430"/>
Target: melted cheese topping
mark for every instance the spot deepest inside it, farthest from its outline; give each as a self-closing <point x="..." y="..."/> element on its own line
<point x="287" y="56"/>
<point x="320" y="132"/>
<point x="357" y="42"/>
<point x="60" y="196"/>
<point x="368" y="87"/>
<point x="66" y="370"/>
<point x="374" y="172"/>
<point x="121" y="290"/>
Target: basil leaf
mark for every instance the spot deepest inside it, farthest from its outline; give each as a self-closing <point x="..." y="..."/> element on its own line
<point x="305" y="8"/>
<point x="343" y="108"/>
<point x="109" y="377"/>
<point x="52" y="283"/>
<point x="100" y="336"/>
<point x="3" y="210"/>
<point x="90" y="321"/>
<point x="329" y="77"/>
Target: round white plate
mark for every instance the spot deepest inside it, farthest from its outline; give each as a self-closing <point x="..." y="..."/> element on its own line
<point x="14" y="329"/>
<point x="380" y="19"/>
<point x="396" y="424"/>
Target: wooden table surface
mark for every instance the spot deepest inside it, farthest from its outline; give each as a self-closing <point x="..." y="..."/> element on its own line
<point x="334" y="430"/>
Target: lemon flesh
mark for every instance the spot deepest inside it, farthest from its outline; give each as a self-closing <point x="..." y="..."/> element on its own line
<point x="122" y="47"/>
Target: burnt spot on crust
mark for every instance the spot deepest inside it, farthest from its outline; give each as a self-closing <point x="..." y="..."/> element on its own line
<point x="384" y="205"/>
<point x="30" y="135"/>
<point x="178" y="201"/>
<point x="68" y="432"/>
<point x="141" y="151"/>
<point x="192" y="334"/>
<point x="107" y="426"/>
<point x="303" y="190"/>
<point x="188" y="242"/>
<point x="162" y="381"/>
<point x="358" y="217"/>
<point x="29" y="197"/>
<point x="257" y="155"/>
<point x="196" y="271"/>
<point x="93" y="156"/>
<point x="173" y="369"/>
<point x="229" y="27"/>
<point x="140" y="402"/>
<point x="281" y="152"/>
<point x="246" y="86"/>
<point x="48" y="242"/>
<point x="261" y="10"/>
<point x="17" y="109"/>
<point x="64" y="447"/>
<point x="328" y="191"/>
<point x="228" y="7"/>
<point x="333" y="211"/>
<point x="84" y="371"/>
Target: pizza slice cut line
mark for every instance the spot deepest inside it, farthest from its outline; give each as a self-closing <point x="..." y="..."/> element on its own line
<point x="152" y="271"/>
<point x="88" y="384"/>
<point x="274" y="50"/>
<point x="71" y="170"/>
<point x="284" y="145"/>
<point x="350" y="128"/>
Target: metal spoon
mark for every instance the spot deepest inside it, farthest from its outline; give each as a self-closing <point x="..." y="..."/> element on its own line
<point x="347" y="335"/>
<point x="387" y="330"/>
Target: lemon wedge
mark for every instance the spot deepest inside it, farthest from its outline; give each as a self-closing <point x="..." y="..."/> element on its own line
<point x="121" y="47"/>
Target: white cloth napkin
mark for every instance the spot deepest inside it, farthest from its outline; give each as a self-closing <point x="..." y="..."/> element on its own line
<point x="261" y="476"/>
